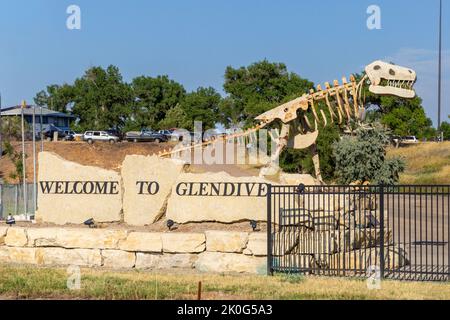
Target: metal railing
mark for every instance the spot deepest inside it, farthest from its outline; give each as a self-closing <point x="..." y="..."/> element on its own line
<point x="400" y="231"/>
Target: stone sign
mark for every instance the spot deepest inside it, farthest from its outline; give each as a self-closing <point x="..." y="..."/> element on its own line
<point x="217" y="197"/>
<point x="147" y="189"/>
<point x="148" y="183"/>
<point x="72" y="193"/>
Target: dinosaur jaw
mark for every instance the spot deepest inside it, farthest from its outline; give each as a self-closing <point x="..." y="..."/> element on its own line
<point x="389" y="79"/>
<point x="403" y="89"/>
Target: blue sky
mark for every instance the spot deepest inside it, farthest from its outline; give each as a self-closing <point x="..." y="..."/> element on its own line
<point x="193" y="41"/>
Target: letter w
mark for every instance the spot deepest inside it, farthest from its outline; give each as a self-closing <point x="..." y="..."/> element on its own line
<point x="46" y="186"/>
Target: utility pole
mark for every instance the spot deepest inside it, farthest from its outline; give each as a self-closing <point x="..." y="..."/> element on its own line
<point x="42" y="134"/>
<point x="34" y="162"/>
<point x="1" y="134"/>
<point x="440" y="68"/>
<point x="24" y="169"/>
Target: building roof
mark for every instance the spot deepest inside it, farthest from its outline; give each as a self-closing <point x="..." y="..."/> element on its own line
<point x="28" y="110"/>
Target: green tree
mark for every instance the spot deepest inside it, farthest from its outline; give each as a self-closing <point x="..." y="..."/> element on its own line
<point x="445" y="128"/>
<point x="363" y="158"/>
<point x="300" y="161"/>
<point x="154" y="97"/>
<point x="102" y="99"/>
<point x="17" y="160"/>
<point x="201" y="105"/>
<point x="257" y="88"/>
<point x="55" y="97"/>
<point x="11" y="128"/>
<point x="175" y="118"/>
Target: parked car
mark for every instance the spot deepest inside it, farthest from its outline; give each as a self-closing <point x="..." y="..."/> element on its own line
<point x="116" y="133"/>
<point x="214" y="136"/>
<point x="167" y="133"/>
<point x="70" y="135"/>
<point x="102" y="136"/>
<point x="146" y="136"/>
<point x="409" y="140"/>
<point x="49" y="134"/>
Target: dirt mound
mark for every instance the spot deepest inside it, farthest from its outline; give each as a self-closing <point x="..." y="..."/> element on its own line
<point x="105" y="155"/>
<point x="102" y="155"/>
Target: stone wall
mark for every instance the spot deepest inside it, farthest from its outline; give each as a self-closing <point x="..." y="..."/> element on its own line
<point x="211" y="251"/>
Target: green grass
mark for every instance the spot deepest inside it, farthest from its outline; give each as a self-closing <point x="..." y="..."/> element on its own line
<point x="50" y="283"/>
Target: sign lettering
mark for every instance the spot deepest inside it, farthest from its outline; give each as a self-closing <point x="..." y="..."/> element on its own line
<point x="80" y="187"/>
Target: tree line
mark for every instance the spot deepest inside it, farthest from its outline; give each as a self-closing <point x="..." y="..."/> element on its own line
<point x="101" y="99"/>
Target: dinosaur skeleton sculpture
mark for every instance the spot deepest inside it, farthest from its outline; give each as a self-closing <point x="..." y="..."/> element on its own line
<point x="344" y="104"/>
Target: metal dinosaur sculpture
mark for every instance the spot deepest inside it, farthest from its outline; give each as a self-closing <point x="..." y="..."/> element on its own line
<point x="344" y="103"/>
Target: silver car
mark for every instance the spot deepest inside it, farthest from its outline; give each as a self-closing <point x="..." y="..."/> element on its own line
<point x="102" y="136"/>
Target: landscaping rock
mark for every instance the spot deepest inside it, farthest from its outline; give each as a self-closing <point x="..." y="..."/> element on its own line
<point x="183" y="242"/>
<point x="117" y="259"/>
<point x="226" y="241"/>
<point x="364" y="258"/>
<point x="297" y="179"/>
<point x="62" y="257"/>
<point x="72" y="238"/>
<point x="165" y="261"/>
<point x="257" y="244"/>
<point x="214" y="262"/>
<point x="310" y="242"/>
<point x="142" y="242"/>
<point x="3" y="231"/>
<point x="16" y="237"/>
<point x="16" y="255"/>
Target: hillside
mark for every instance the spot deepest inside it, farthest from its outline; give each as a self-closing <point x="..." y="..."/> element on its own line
<point x="426" y="163"/>
<point x="105" y="156"/>
<point x="99" y="154"/>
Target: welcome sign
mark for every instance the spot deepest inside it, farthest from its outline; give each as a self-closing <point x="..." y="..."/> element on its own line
<point x="146" y="189"/>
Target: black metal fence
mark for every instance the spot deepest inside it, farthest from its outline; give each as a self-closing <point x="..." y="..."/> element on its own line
<point x="402" y="232"/>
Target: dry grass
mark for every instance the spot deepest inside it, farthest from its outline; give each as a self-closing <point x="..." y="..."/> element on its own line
<point x="40" y="283"/>
<point x="427" y="163"/>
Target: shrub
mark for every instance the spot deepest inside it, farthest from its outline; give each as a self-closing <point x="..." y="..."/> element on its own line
<point x="363" y="158"/>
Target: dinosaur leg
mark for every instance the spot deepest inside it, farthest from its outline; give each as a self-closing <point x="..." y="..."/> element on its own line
<point x="316" y="161"/>
<point x="273" y="169"/>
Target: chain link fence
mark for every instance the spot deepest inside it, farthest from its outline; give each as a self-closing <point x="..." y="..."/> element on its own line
<point x="12" y="200"/>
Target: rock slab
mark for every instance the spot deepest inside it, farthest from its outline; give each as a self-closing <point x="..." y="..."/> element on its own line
<point x="73" y="193"/>
<point x="148" y="183"/>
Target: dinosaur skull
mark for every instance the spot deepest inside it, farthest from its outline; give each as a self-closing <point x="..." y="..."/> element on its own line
<point x="389" y="79"/>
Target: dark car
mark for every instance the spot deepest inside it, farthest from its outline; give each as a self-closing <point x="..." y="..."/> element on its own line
<point x="69" y="135"/>
<point x="167" y="133"/>
<point x="49" y="134"/>
<point x="116" y="133"/>
<point x="146" y="136"/>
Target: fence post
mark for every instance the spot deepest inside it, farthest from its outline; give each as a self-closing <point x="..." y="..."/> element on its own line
<point x="269" y="230"/>
<point x="16" y="199"/>
<point x="381" y="194"/>
<point x="1" y="200"/>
